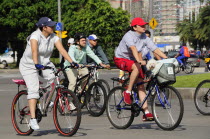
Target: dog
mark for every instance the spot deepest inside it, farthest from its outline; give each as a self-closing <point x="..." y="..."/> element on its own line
<point x="151" y="64"/>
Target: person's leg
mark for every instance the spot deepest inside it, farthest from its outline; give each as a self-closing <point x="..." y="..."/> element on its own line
<point x="134" y="69"/>
<point x="32" y="83"/>
<point x="72" y="77"/>
<point x="83" y="72"/>
<point x="179" y="59"/>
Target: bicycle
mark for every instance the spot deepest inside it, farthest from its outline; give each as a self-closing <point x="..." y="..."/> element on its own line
<point x="95" y="78"/>
<point x="187" y="67"/>
<point x="202" y="97"/>
<point x="66" y="108"/>
<point x="92" y="96"/>
<point x="168" y="113"/>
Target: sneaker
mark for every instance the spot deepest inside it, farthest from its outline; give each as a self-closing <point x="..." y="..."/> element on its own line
<point x="148" y="117"/>
<point x="127" y="97"/>
<point x="33" y="124"/>
<point x="72" y="107"/>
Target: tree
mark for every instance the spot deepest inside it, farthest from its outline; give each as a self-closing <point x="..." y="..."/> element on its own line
<point x="98" y="17"/>
<point x="202" y="26"/>
<point x="184" y="30"/>
<point x="18" y="18"/>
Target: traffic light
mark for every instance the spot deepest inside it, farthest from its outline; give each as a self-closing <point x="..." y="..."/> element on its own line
<point x="64" y="35"/>
<point x="58" y="33"/>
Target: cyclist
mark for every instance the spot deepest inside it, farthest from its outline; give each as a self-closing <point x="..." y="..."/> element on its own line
<point x="37" y="54"/>
<point x="92" y="42"/>
<point x="78" y="53"/>
<point x="181" y="55"/>
<point x="128" y="57"/>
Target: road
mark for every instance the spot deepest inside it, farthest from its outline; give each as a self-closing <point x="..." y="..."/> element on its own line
<point x="193" y="125"/>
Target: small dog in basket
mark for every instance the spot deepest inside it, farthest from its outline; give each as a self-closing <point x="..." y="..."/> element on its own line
<point x="151" y="64"/>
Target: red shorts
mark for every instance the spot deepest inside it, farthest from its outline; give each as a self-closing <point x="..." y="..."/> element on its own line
<point x="126" y="65"/>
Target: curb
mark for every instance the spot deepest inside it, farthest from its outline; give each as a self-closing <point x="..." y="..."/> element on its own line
<point x="186" y="93"/>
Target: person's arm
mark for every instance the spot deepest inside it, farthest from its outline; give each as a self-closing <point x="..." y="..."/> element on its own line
<point x="102" y="54"/>
<point x="63" y="52"/>
<point x="137" y="56"/>
<point x="34" y="49"/>
<point x="159" y="53"/>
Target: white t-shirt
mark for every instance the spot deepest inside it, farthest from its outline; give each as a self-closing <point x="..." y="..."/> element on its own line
<point x="45" y="49"/>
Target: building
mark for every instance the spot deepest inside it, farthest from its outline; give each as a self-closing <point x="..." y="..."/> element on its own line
<point x="167" y="13"/>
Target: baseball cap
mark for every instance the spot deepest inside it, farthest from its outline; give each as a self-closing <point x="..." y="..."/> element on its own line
<point x="93" y="37"/>
<point x="138" y="21"/>
<point x="71" y="40"/>
<point x="45" y="21"/>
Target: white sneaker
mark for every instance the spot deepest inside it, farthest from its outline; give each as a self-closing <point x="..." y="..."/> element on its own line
<point x="72" y="107"/>
<point x="33" y="124"/>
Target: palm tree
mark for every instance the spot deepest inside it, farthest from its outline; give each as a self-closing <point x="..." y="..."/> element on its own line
<point x="202" y="26"/>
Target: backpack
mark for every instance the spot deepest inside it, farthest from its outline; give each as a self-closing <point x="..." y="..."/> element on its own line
<point x="186" y="52"/>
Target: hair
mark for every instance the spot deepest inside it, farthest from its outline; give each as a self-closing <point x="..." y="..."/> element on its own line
<point x="132" y="29"/>
<point x="41" y="28"/>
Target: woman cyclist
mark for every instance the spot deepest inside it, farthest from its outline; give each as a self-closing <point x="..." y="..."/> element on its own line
<point x="40" y="45"/>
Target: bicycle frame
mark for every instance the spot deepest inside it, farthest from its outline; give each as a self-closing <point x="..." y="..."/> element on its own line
<point x="57" y="87"/>
<point x="136" y="99"/>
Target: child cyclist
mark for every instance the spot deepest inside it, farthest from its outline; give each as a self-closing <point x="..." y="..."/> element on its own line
<point x="128" y="57"/>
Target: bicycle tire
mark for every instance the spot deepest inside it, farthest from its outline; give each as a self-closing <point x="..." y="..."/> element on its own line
<point x="168" y="116"/>
<point x="67" y="123"/>
<point x="188" y="68"/>
<point x="20" y="109"/>
<point x="119" y="117"/>
<point x="177" y="69"/>
<point x="96" y="99"/>
<point x="202" y="97"/>
<point x="193" y="67"/>
<point x="105" y="84"/>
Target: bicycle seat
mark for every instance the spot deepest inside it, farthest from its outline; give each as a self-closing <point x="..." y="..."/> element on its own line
<point x="21" y="81"/>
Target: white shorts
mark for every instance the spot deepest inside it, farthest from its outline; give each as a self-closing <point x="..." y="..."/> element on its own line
<point x="32" y="82"/>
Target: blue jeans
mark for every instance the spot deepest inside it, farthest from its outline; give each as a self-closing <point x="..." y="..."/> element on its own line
<point x="180" y="59"/>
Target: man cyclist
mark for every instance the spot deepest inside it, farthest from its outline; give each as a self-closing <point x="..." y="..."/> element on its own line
<point x="128" y="57"/>
<point x="181" y="55"/>
<point x="40" y="45"/>
<point x="78" y="52"/>
<point x="92" y="42"/>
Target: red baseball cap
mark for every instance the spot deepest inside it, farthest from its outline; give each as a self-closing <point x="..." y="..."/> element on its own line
<point x="138" y="21"/>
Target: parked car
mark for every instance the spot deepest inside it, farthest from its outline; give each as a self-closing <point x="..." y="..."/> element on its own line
<point x="195" y="59"/>
<point x="172" y="54"/>
<point x="8" y="58"/>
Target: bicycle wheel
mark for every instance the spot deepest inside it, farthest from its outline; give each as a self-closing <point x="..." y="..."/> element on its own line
<point x="193" y="67"/>
<point x="68" y="121"/>
<point x="169" y="114"/>
<point x="95" y="99"/>
<point x="118" y="113"/>
<point x="20" y="114"/>
<point x="105" y="84"/>
<point x="202" y="97"/>
<point x="188" y="68"/>
<point x="177" y="69"/>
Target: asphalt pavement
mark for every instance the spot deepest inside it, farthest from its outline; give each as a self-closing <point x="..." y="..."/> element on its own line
<point x="193" y="125"/>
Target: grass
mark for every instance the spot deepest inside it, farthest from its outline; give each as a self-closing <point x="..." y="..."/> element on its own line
<point x="191" y="80"/>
